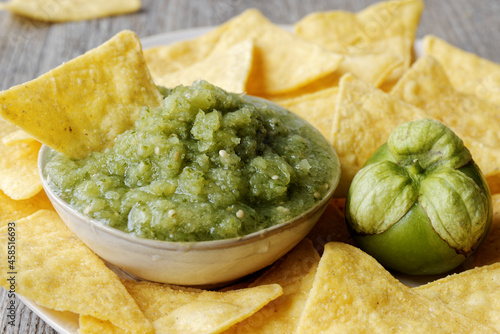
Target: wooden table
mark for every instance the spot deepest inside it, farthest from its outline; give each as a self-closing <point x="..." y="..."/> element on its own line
<point x="29" y="48"/>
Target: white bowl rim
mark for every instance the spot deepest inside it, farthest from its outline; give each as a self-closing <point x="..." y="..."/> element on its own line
<point x="188" y="245"/>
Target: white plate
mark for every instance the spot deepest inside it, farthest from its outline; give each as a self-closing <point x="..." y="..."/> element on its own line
<point x="67" y="322"/>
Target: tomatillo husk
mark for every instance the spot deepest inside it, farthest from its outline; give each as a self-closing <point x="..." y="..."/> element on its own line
<point x="420" y="205"/>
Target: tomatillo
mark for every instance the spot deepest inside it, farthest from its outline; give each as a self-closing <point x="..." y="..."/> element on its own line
<point x="420" y="205"/>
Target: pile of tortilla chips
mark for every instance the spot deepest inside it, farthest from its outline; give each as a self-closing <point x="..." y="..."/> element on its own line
<point x="354" y="77"/>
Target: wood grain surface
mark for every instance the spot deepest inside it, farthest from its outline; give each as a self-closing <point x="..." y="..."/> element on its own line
<point x="30" y="48"/>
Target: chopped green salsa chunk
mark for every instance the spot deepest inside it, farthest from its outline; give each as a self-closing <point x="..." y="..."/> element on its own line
<point x="205" y="165"/>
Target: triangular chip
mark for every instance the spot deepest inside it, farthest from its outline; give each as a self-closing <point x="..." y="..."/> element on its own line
<point x="19" y="177"/>
<point x="489" y="251"/>
<point x="16" y="137"/>
<point x="56" y="270"/>
<point x="82" y="105"/>
<point x="316" y="108"/>
<point x="13" y="210"/>
<point x="178" y="310"/>
<point x="386" y="27"/>
<point x="283" y="61"/>
<point x="363" y="120"/>
<point x="468" y="73"/>
<point x="353" y="293"/>
<point x="295" y="273"/>
<point x="475" y="293"/>
<point x="331" y="226"/>
<point x="372" y="68"/>
<point x="75" y="10"/>
<point x="228" y="70"/>
<point x="476" y="121"/>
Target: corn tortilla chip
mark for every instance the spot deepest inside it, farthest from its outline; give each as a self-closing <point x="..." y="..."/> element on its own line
<point x="475" y="293"/>
<point x="489" y="251"/>
<point x="331" y="226"/>
<point x="353" y="293"/>
<point x="476" y="121"/>
<point x="180" y="310"/>
<point x="385" y="27"/>
<point x="13" y="210"/>
<point x="373" y="68"/>
<point x="19" y="177"/>
<point x="16" y="137"/>
<point x="165" y="59"/>
<point x="82" y="105"/>
<point x="295" y="274"/>
<point x="363" y="120"/>
<point x="56" y="270"/>
<point x="228" y="70"/>
<point x="282" y="61"/>
<point x="316" y="108"/>
<point x="74" y="10"/>
<point x="468" y="73"/>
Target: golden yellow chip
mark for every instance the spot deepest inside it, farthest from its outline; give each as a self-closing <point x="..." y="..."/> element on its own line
<point x="468" y="73"/>
<point x="475" y="293"/>
<point x="75" y="10"/>
<point x="228" y="69"/>
<point x="387" y="27"/>
<point x="363" y="120"/>
<point x="476" y="121"/>
<point x="489" y="251"/>
<point x="82" y="105"/>
<point x="373" y="68"/>
<point x="19" y="177"/>
<point x="180" y="310"/>
<point x="16" y="137"/>
<point x="56" y="270"/>
<point x="353" y="293"/>
<point x="282" y="61"/>
<point x="331" y="226"/>
<point x="316" y="108"/>
<point x="176" y="56"/>
<point x="13" y="210"/>
<point x="295" y="274"/>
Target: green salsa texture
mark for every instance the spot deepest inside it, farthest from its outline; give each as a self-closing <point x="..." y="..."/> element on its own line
<point x="206" y="165"/>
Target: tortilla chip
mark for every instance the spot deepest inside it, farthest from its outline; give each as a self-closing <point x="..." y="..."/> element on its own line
<point x="180" y="310"/>
<point x="75" y="10"/>
<point x="468" y="73"/>
<point x="475" y="293"/>
<point x="19" y="177"/>
<point x="295" y="274"/>
<point x="363" y="120"/>
<point x="476" y="121"/>
<point x="387" y="27"/>
<point x="170" y="58"/>
<point x="82" y="105"/>
<point x="373" y="69"/>
<point x="489" y="251"/>
<point x="331" y="226"/>
<point x="16" y="137"/>
<point x="282" y="60"/>
<point x="353" y="293"/>
<point x="13" y="210"/>
<point x="228" y="70"/>
<point x="56" y="270"/>
<point x="316" y="108"/>
<point x="494" y="183"/>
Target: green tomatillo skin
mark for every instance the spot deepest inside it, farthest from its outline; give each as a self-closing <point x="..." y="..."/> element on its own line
<point x="420" y="205"/>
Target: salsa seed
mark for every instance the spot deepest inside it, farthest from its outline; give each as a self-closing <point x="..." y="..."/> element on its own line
<point x="171" y="213"/>
<point x="240" y="214"/>
<point x="223" y="153"/>
<point x="275" y="177"/>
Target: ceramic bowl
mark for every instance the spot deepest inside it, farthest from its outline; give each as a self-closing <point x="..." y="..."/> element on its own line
<point x="206" y="263"/>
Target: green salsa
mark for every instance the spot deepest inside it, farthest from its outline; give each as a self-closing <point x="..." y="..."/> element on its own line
<point x="205" y="165"/>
